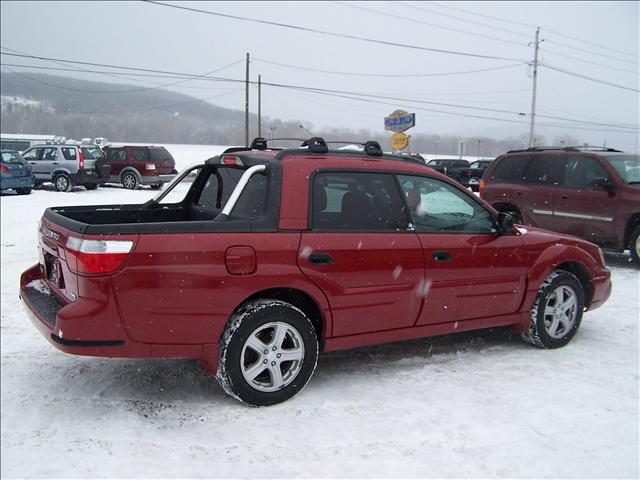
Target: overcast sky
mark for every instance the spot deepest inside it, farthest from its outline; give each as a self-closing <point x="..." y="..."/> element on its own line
<point x="587" y="86"/>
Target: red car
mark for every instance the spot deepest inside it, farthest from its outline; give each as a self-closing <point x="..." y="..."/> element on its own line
<point x="274" y="255"/>
<point x="590" y="192"/>
<point x="133" y="166"/>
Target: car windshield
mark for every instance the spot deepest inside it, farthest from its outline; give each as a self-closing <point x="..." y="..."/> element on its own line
<point x="12" y="157"/>
<point x="628" y="167"/>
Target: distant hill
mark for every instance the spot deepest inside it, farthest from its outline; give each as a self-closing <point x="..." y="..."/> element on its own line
<point x="48" y="104"/>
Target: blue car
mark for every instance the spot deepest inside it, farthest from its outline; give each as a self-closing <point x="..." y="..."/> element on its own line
<point x="15" y="173"/>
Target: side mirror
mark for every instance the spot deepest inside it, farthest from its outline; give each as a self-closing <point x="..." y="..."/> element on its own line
<point x="505" y="224"/>
<point x="601" y="183"/>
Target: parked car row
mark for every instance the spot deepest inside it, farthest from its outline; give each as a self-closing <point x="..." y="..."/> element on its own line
<point x="89" y="166"/>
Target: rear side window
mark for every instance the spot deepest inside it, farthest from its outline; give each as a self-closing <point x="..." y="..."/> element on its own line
<point x="160" y="154"/>
<point x="69" y="153"/>
<point x="511" y="169"/>
<point x="545" y="169"/>
<point x="581" y="171"/>
<point x="350" y="201"/>
<point x="140" y="154"/>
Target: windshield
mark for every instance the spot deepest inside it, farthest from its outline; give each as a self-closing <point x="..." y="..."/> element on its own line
<point x="628" y="167"/>
<point x="12" y="157"/>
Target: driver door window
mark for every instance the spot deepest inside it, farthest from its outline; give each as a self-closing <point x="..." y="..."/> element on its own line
<point x="437" y="207"/>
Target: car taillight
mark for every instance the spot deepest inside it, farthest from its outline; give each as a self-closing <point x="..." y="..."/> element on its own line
<point x="4" y="169"/>
<point x="81" y="159"/>
<point x="96" y="257"/>
<point x="29" y="169"/>
<point x="149" y="166"/>
<point x="481" y="187"/>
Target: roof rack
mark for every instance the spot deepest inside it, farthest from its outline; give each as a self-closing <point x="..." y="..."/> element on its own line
<point x="578" y="148"/>
<point x="314" y="144"/>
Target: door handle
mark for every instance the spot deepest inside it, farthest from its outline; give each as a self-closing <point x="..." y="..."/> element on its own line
<point x="32" y="163"/>
<point x="441" y="256"/>
<point x="321" y="258"/>
<point x="519" y="194"/>
<point x="564" y="197"/>
<point x="54" y="163"/>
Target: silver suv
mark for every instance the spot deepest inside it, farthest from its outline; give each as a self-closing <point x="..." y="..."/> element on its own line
<point x="68" y="165"/>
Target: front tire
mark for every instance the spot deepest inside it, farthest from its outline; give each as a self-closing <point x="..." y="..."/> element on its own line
<point x="268" y="352"/>
<point x="62" y="182"/>
<point x="91" y="186"/>
<point x="634" y="245"/>
<point x="557" y="312"/>
<point x="23" y="191"/>
<point x="156" y="186"/>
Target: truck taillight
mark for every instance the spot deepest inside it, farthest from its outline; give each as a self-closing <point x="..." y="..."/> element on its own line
<point x="80" y="159"/>
<point x="96" y="257"/>
<point x="481" y="187"/>
<point x="231" y="160"/>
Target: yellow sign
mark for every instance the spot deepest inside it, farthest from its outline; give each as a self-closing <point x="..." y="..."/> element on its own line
<point x="398" y="141"/>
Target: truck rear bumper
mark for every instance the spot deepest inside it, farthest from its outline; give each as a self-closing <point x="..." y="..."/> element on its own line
<point x="85" y="327"/>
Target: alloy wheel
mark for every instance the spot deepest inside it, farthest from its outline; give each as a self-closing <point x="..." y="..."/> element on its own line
<point x="272" y="356"/>
<point x="560" y="312"/>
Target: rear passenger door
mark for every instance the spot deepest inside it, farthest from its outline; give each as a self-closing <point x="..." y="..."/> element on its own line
<point x="539" y="192"/>
<point x="117" y="157"/>
<point x="583" y="208"/>
<point x="361" y="252"/>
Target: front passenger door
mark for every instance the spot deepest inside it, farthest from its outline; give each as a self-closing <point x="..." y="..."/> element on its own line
<point x="470" y="270"/>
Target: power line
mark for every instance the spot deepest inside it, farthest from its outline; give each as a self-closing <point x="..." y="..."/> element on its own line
<point x="332" y="34"/>
<point x="413" y="20"/>
<point x="387" y="75"/>
<point x="513" y="22"/>
<point x="464" y="20"/>
<point x="584" y="77"/>
<point x="140" y="89"/>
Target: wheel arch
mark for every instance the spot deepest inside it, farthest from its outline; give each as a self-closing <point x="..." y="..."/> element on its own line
<point x="299" y="299"/>
<point x="130" y="170"/>
<point x="58" y="171"/>
<point x="561" y="257"/>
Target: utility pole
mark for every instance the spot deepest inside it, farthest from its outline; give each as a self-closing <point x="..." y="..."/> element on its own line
<point x="259" y="106"/>
<point x="461" y="149"/>
<point x="478" y="152"/>
<point x="246" y="106"/>
<point x="535" y="77"/>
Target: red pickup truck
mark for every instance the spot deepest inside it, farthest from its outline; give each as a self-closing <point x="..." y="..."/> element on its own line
<point x="276" y="254"/>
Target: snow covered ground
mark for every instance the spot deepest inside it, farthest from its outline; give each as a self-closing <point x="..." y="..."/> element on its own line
<point x="480" y="404"/>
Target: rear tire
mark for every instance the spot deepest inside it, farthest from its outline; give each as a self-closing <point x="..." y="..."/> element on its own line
<point x="634" y="245"/>
<point x="557" y="312"/>
<point x="268" y="352"/>
<point x="130" y="180"/>
<point x="62" y="182"/>
<point x="91" y="186"/>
